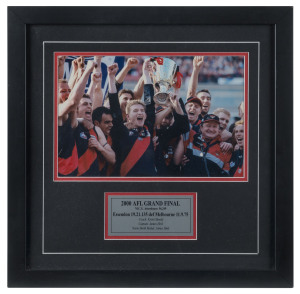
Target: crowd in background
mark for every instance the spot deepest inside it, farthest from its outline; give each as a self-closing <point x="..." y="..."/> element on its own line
<point x="213" y="68"/>
<point x="131" y="133"/>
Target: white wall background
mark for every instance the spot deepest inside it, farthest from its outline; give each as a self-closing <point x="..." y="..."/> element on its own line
<point x="3" y="146"/>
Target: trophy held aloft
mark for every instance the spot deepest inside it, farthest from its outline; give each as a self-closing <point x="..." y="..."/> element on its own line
<point x="164" y="72"/>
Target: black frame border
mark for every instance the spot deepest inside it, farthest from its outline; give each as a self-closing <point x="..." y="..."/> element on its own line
<point x="282" y="20"/>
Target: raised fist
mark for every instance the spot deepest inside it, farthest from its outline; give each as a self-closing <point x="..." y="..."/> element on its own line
<point x="147" y="66"/>
<point x="97" y="77"/>
<point x="198" y="61"/>
<point x="61" y="60"/>
<point x="97" y="59"/>
<point x="75" y="65"/>
<point x="112" y="69"/>
<point x="132" y="62"/>
<point x="80" y="62"/>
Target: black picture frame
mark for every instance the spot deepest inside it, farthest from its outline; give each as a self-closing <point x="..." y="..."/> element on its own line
<point x="280" y="19"/>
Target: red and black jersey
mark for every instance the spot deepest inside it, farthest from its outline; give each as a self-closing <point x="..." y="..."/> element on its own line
<point x="67" y="151"/>
<point x="168" y="153"/>
<point x="164" y="155"/>
<point x="135" y="152"/>
<point x="168" y="139"/>
<point x="133" y="147"/>
<point x="88" y="165"/>
<point x="193" y="130"/>
<point x="236" y="164"/>
<point x="206" y="158"/>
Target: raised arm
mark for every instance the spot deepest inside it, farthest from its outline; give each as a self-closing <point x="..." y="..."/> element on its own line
<point x="61" y="66"/>
<point x="148" y="94"/>
<point x="174" y="99"/>
<point x="131" y="63"/>
<point x="98" y="94"/>
<point x="80" y="71"/>
<point x="111" y="71"/>
<point x="73" y="75"/>
<point x="139" y="89"/>
<point x="113" y="95"/>
<point x="119" y="129"/>
<point x="77" y="92"/>
<point x="102" y="146"/>
<point x="181" y="122"/>
<point x="95" y="88"/>
<point x="173" y="105"/>
<point x="162" y="114"/>
<point x="92" y="87"/>
<point x="192" y="88"/>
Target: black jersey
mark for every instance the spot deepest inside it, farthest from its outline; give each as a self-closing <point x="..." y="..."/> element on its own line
<point x="236" y="163"/>
<point x="88" y="165"/>
<point x="134" y="147"/>
<point x="168" y="139"/>
<point x="67" y="150"/>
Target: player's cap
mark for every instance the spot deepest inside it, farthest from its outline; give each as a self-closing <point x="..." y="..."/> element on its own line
<point x="194" y="99"/>
<point x="210" y="117"/>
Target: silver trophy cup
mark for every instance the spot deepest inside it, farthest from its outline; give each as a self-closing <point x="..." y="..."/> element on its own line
<point x="164" y="70"/>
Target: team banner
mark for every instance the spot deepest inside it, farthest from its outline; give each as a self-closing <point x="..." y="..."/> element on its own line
<point x="106" y="61"/>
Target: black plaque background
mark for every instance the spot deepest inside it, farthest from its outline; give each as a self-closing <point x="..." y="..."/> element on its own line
<point x="265" y="262"/>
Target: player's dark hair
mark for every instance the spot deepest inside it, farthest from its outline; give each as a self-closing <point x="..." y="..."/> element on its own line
<point x="169" y="116"/>
<point x="126" y="91"/>
<point x="98" y="113"/>
<point x="204" y="90"/>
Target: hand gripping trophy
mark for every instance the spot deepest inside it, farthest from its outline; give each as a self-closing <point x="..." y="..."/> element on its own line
<point x="164" y="73"/>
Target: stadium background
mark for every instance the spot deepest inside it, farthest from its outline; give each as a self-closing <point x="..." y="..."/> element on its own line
<point x="223" y="76"/>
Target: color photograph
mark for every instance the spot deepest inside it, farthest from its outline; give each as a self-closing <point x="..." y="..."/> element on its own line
<point x="151" y="116"/>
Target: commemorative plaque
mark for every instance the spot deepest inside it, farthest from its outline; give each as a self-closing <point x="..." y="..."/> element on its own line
<point x="150" y="157"/>
<point x="150" y="216"/>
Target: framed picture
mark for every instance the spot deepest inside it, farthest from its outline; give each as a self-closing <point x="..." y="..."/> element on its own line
<point x="153" y="150"/>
